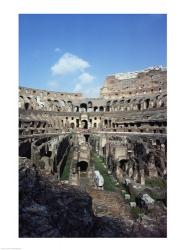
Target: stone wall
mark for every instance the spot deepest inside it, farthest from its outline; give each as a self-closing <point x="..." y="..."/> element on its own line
<point x="135" y="84"/>
<point x="50" y="209"/>
<point x="144" y="110"/>
<point x="133" y="156"/>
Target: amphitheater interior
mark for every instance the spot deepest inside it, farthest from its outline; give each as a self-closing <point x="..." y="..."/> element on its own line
<point x="65" y="138"/>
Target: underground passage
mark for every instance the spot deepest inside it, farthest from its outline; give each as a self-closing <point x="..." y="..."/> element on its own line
<point x="82" y="165"/>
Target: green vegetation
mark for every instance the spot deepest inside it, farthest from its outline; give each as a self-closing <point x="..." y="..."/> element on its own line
<point x="133" y="198"/>
<point x="155" y="182"/>
<point x="136" y="211"/>
<point x="109" y="184"/>
<point x="66" y="170"/>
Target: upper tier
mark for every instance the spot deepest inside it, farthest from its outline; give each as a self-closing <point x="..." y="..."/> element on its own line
<point x="148" y="81"/>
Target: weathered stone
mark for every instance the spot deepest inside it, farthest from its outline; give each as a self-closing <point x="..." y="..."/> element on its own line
<point x="133" y="204"/>
<point x="147" y="201"/>
<point x="127" y="196"/>
<point x="60" y="133"/>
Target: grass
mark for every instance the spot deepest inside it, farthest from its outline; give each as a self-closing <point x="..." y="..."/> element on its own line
<point x="109" y="184"/>
<point x="155" y="182"/>
<point x="66" y="171"/>
<point x="136" y="211"/>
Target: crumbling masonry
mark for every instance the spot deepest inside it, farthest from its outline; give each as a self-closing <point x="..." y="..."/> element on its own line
<point x="126" y="126"/>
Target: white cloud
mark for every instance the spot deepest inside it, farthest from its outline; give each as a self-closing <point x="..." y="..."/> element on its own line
<point x="78" y="87"/>
<point x="86" y="86"/>
<point x="87" y="91"/>
<point x="57" y="49"/>
<point x="85" y="78"/>
<point x="91" y="91"/>
<point x="84" y="83"/>
<point x="68" y="64"/>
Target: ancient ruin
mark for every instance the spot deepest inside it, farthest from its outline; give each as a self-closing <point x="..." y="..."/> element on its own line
<point x="95" y="167"/>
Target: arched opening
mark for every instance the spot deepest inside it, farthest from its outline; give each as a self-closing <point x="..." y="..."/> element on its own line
<point x="27" y="106"/>
<point x="139" y="106"/>
<point x="122" y="102"/>
<point x="62" y="103"/>
<point x="76" y="109"/>
<point x="84" y="124"/>
<point x="83" y="107"/>
<point x="72" y="125"/>
<point x="106" y="123"/>
<point x="69" y="103"/>
<point x="108" y="106"/>
<point x="82" y="165"/>
<point x="147" y="103"/>
<point x="162" y="104"/>
<point x="77" y="123"/>
<point x="38" y="124"/>
<point x="95" y="109"/>
<point x="89" y="104"/>
<point x="87" y="137"/>
<point x="122" y="164"/>
<point x="101" y="108"/>
<point x="90" y="108"/>
<point x="32" y="124"/>
<point x="69" y="106"/>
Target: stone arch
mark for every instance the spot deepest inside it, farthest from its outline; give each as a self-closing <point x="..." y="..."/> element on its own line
<point x="62" y="103"/>
<point x="72" y="125"/>
<point x="69" y="103"/>
<point x="84" y="124"/>
<point x="122" y="164"/>
<point x="76" y="109"/>
<point x="128" y="104"/>
<point x="38" y="124"/>
<point x="147" y="103"/>
<point x="82" y="165"/>
<point x="108" y="107"/>
<point x="89" y="104"/>
<point x="139" y="105"/>
<point x="27" y="105"/>
<point x="69" y="106"/>
<point x="115" y="102"/>
<point x="101" y="108"/>
<point x="95" y="108"/>
<point x="83" y="106"/>
<point x="121" y="102"/>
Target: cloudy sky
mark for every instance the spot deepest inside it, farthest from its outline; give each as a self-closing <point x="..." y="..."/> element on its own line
<point x="74" y="53"/>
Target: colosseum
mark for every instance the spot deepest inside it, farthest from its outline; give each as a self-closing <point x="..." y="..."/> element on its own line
<point x="95" y="167"/>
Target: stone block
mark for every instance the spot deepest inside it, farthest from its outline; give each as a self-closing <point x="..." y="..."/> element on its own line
<point x="127" y="196"/>
<point x="132" y="204"/>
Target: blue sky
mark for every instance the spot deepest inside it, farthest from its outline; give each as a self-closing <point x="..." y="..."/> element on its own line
<point x="76" y="52"/>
